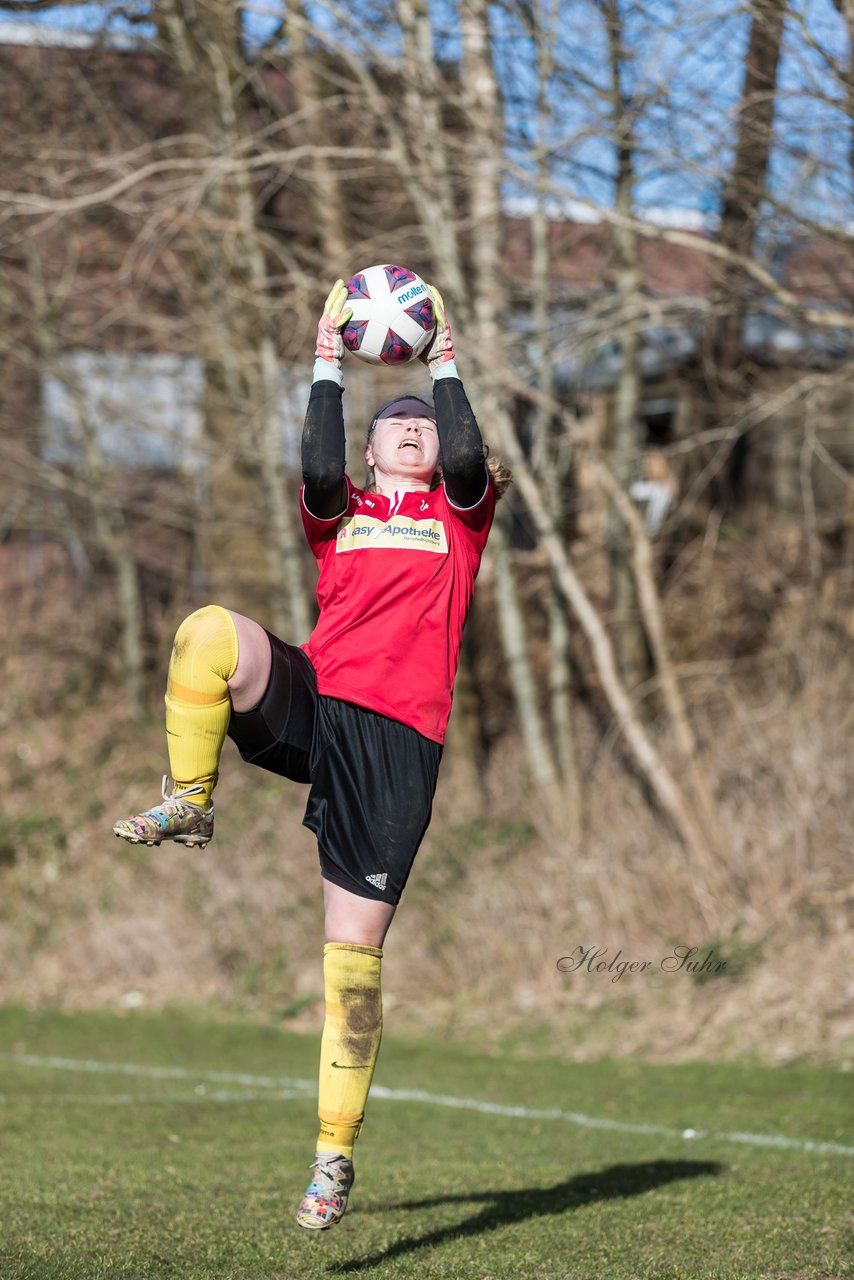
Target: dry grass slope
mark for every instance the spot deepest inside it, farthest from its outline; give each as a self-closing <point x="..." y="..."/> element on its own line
<point x="497" y="898"/>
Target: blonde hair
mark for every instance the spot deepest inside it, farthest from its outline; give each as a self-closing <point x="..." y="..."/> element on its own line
<point x="502" y="476"/>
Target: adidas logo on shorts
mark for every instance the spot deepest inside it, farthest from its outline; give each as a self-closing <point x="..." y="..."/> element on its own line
<point x="379" y="882"/>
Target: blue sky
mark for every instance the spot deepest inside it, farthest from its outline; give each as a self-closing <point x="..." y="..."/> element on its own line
<point x="685" y="65"/>
<point x="685" y="78"/>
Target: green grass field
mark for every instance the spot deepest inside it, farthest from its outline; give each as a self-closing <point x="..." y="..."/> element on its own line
<point x="144" y="1146"/>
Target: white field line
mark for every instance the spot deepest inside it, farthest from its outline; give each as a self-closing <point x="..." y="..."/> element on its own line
<point x="159" y="1073"/>
<point x="276" y="1088"/>
<point x="199" y="1094"/>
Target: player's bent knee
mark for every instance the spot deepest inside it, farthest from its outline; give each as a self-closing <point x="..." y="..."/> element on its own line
<point x="202" y="623"/>
<point x="208" y="636"/>
<point x="251" y="674"/>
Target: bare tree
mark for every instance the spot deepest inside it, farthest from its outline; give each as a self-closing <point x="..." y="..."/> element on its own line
<point x="212" y="201"/>
<point x="482" y="105"/>
<point x="745" y="190"/>
<point x="551" y="447"/>
<point x="675" y="803"/>
<point x="625" y="448"/>
<point x="204" y="45"/>
<point x="846" y="8"/>
<point x="316" y="107"/>
<point x="104" y="527"/>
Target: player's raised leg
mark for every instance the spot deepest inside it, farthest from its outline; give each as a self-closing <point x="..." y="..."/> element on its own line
<point x="219" y="660"/>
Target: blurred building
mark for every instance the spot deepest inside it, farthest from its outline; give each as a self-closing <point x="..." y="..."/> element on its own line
<point x="124" y="353"/>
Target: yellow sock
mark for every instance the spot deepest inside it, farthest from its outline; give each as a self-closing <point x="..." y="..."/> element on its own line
<point x="350" y="1043"/>
<point x="198" y="707"/>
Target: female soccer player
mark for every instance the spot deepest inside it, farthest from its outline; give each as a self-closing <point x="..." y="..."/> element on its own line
<point x="360" y="710"/>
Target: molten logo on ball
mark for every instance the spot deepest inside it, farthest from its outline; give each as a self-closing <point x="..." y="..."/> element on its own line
<point x="393" y="318"/>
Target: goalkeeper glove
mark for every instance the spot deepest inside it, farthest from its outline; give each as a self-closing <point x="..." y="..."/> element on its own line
<point x="439" y="354"/>
<point x="329" y="351"/>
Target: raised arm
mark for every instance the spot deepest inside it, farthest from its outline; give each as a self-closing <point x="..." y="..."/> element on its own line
<point x="323" y="445"/>
<point x="463" y="456"/>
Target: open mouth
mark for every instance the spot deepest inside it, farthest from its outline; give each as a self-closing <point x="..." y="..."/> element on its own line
<point x="404" y="444"/>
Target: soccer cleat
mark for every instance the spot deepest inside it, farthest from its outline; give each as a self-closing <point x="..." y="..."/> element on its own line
<point x="176" y="819"/>
<point x="325" y="1199"/>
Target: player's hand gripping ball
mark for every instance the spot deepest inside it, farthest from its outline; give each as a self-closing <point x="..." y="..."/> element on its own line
<point x="440" y="349"/>
<point x="335" y="315"/>
<point x="392" y="316"/>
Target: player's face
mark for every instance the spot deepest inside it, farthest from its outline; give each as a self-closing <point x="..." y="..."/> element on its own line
<point x="404" y="445"/>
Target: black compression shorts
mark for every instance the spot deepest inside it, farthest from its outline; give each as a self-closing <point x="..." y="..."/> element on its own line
<point x="372" y="778"/>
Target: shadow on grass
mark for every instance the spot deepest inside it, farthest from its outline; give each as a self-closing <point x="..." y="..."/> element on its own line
<point x="617" y="1182"/>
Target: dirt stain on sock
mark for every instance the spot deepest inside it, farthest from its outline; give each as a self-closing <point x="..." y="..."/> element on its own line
<point x="363" y="1015"/>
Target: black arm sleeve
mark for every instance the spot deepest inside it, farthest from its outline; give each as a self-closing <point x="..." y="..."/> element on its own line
<point x="323" y="451"/>
<point x="463" y="457"/>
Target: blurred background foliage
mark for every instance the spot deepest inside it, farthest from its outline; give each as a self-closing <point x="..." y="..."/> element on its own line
<point x="640" y="218"/>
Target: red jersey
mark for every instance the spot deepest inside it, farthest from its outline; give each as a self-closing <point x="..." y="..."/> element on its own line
<point x="396" y="581"/>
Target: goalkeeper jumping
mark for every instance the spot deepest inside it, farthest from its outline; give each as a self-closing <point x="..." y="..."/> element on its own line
<point x="359" y="711"/>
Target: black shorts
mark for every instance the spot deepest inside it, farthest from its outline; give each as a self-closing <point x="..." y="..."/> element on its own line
<point x="372" y="778"/>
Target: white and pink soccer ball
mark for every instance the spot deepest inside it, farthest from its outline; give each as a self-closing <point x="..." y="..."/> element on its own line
<point x="393" y="318"/>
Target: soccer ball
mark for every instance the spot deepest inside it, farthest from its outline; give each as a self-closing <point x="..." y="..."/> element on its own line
<point x="393" y="318"/>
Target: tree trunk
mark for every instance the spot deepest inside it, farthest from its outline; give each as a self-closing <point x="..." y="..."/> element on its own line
<point x="550" y="446"/>
<point x="483" y="112"/>
<point x="626" y="442"/>
<point x="514" y="639"/>
<point x="740" y="214"/>
<point x="263" y="398"/>
<point x="653" y="619"/>
<point x="846" y="8"/>
<point x="424" y="96"/>
<point x="745" y="188"/>
<point x="560" y="702"/>
<point x="115" y="544"/>
<point x="242" y="395"/>
<point x="327" y="202"/>
<point x="673" y="800"/>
